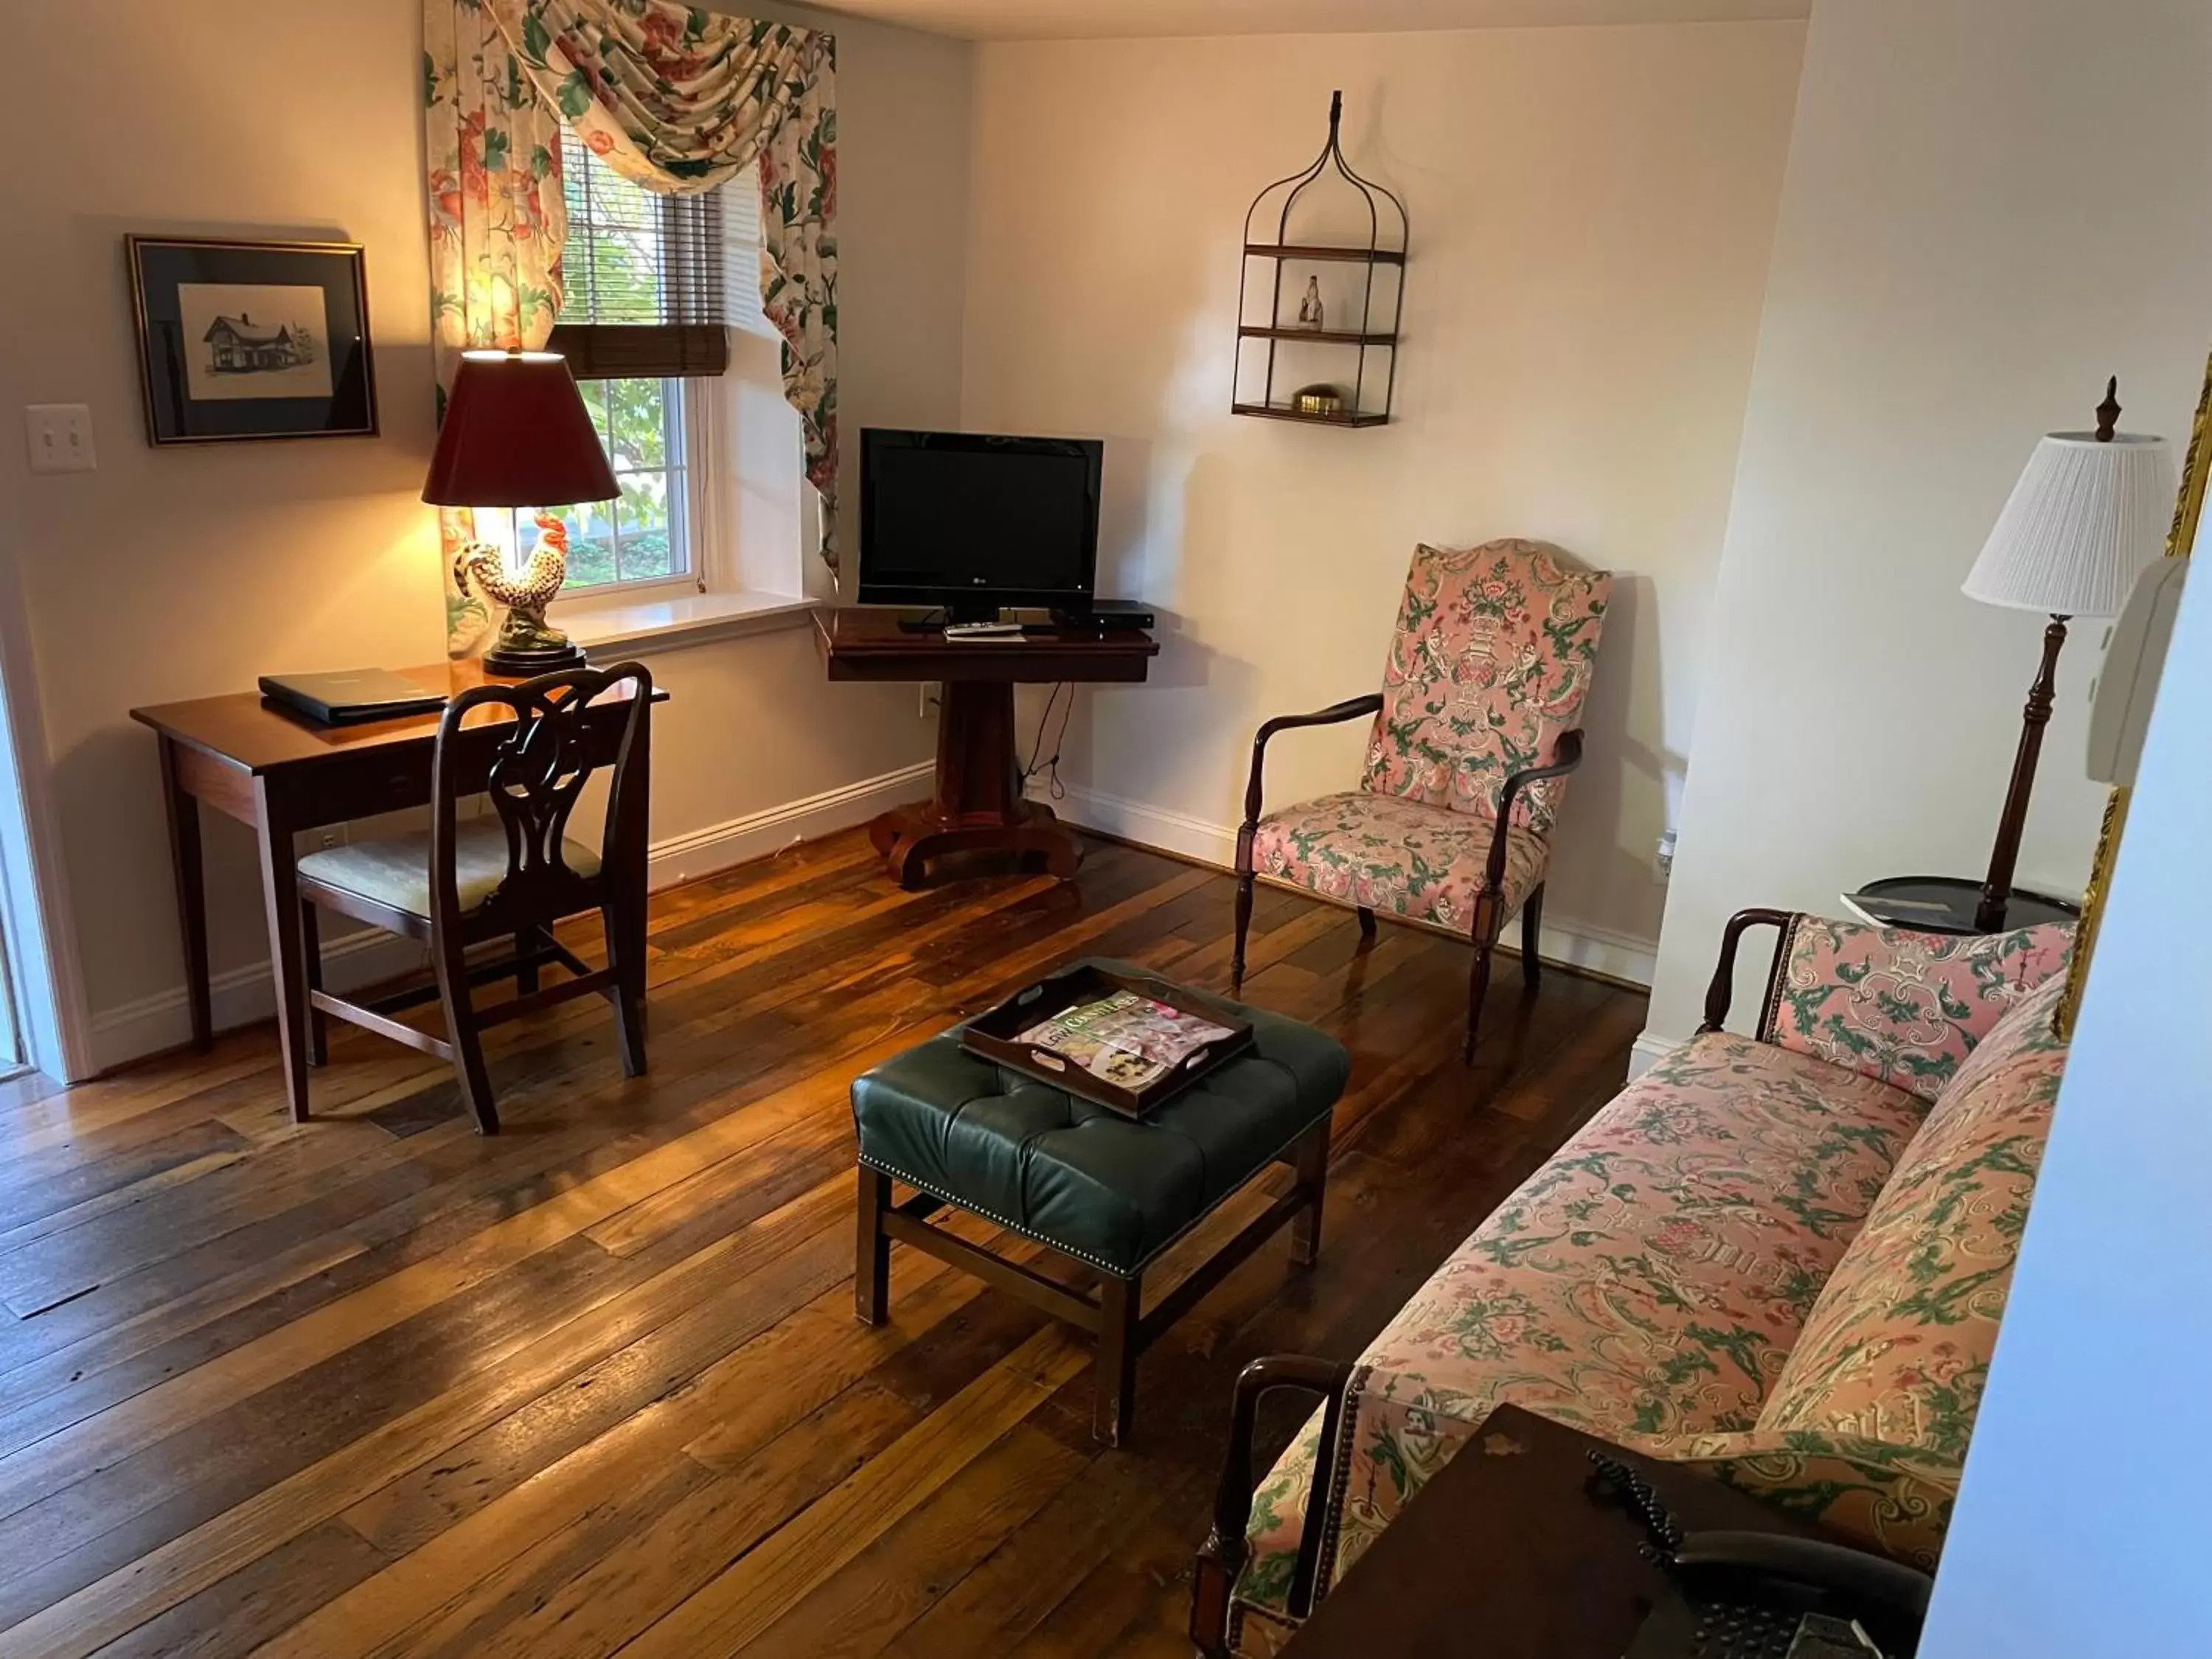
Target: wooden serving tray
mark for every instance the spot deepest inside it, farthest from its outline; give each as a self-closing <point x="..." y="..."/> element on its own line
<point x="994" y="1037"/>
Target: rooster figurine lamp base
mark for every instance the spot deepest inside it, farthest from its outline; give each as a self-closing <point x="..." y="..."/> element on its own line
<point x="527" y="644"/>
<point x="517" y="438"/>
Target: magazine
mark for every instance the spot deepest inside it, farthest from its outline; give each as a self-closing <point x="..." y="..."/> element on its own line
<point x="1127" y="1040"/>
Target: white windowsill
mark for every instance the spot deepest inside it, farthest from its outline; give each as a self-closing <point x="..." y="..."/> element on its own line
<point x="662" y="624"/>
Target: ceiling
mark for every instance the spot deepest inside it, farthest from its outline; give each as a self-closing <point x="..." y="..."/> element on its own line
<point x="1050" y="20"/>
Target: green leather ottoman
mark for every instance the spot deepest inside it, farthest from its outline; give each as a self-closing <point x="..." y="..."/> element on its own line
<point x="1109" y="1192"/>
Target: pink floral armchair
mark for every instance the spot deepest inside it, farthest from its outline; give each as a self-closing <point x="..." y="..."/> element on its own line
<point x="1474" y="731"/>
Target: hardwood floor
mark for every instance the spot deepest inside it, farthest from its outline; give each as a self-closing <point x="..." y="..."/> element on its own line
<point x="373" y="1385"/>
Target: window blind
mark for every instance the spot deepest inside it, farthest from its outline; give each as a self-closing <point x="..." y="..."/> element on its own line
<point x="643" y="277"/>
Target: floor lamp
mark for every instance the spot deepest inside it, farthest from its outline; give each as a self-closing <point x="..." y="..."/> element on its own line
<point x="2088" y="515"/>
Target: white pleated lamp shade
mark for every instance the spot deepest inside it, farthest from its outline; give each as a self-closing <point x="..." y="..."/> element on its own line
<point x="2084" y="520"/>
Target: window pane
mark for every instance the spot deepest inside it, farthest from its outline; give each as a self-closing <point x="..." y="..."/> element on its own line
<point x="591" y="545"/>
<point x="641" y="535"/>
<point x="639" y="424"/>
<point x="643" y="511"/>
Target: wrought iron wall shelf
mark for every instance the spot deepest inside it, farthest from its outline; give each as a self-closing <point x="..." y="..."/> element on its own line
<point x="1383" y="255"/>
<point x="1376" y="329"/>
<point x="1312" y="417"/>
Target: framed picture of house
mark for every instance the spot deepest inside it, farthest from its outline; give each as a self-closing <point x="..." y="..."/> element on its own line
<point x="251" y="339"/>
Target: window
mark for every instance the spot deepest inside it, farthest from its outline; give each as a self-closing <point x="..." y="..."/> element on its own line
<point x="661" y="324"/>
<point x="642" y="324"/>
<point x="645" y="535"/>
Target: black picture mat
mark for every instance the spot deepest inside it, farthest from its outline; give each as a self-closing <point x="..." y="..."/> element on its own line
<point x="159" y="266"/>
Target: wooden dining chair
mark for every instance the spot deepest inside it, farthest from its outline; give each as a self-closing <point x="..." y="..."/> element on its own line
<point x="513" y="873"/>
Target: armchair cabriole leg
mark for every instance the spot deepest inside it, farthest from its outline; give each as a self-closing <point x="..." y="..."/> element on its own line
<point x="1366" y="926"/>
<point x="1477" y="979"/>
<point x="1532" y="931"/>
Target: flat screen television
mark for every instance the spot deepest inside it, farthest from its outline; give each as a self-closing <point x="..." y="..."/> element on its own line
<point x="975" y="523"/>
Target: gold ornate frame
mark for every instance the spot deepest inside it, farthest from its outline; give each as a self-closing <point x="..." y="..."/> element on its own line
<point x="2180" y="540"/>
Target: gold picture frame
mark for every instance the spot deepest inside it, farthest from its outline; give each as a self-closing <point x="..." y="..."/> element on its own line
<point x="2180" y="542"/>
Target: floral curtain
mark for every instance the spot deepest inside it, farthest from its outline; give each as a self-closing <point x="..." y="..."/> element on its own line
<point x="674" y="98"/>
<point x="497" y="221"/>
<point x="678" y="100"/>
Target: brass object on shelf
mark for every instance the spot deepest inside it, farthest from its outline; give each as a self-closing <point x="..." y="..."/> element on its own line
<point x="1320" y="399"/>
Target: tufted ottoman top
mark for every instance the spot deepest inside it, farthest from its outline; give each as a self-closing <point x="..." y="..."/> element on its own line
<point x="1100" y="1186"/>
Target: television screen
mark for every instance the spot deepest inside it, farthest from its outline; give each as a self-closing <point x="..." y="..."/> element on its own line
<point x="961" y="519"/>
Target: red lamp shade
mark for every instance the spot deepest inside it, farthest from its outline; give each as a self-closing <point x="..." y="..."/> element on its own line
<point x="517" y="434"/>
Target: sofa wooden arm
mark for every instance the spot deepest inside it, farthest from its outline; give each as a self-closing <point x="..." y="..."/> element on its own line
<point x="1335" y="714"/>
<point x="1719" y="993"/>
<point x="1226" y="1549"/>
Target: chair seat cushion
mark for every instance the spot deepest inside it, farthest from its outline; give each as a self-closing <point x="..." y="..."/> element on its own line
<point x="395" y="870"/>
<point x="1107" y="1189"/>
<point x="1387" y="853"/>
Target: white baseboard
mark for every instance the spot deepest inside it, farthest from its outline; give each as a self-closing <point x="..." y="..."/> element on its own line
<point x="703" y="852"/>
<point x="1649" y="1049"/>
<point x="239" y="996"/>
<point x="1574" y="944"/>
<point x="242" y="995"/>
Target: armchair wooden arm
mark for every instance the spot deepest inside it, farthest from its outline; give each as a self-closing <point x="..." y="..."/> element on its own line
<point x="1335" y="714"/>
<point x="1226" y="1548"/>
<point x="1721" y="991"/>
<point x="1566" y="756"/>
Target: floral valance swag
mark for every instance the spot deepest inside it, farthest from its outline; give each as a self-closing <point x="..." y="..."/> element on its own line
<point x="676" y="99"/>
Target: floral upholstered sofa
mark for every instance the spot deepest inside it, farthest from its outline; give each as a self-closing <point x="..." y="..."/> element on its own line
<point x="1781" y="1257"/>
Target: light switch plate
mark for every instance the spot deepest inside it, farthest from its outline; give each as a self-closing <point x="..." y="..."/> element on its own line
<point x="60" y="437"/>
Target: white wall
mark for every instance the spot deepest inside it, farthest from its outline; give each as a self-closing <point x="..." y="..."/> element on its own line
<point x="1592" y="214"/>
<point x="1991" y="205"/>
<point x="2082" y="1527"/>
<point x="186" y="573"/>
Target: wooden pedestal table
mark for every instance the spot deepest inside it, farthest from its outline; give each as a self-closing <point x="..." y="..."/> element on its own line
<point x="977" y="804"/>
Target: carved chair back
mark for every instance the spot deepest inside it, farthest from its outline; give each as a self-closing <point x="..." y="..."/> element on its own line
<point x="540" y="762"/>
<point x="1491" y="659"/>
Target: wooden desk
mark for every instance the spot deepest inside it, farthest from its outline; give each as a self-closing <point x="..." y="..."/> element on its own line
<point x="280" y="773"/>
<point x="977" y="804"/>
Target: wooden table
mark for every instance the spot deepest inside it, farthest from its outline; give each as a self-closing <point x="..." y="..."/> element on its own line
<point x="1506" y="1555"/>
<point x="279" y="773"/>
<point x="977" y="804"/>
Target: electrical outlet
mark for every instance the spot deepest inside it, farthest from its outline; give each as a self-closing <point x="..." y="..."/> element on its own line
<point x="60" y="436"/>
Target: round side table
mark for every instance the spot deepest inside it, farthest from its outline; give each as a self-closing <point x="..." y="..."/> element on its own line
<point x="1946" y="904"/>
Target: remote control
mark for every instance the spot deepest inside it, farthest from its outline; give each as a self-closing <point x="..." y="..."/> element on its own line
<point x="982" y="630"/>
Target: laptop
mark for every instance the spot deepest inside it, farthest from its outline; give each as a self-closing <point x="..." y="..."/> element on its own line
<point x="351" y="697"/>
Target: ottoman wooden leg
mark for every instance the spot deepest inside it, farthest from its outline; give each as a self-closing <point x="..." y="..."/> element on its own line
<point x="1116" y="1363"/>
<point x="1312" y="1165"/>
<point x="872" y="1257"/>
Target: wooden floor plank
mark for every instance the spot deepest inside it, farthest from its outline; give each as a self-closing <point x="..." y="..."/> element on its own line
<point x="372" y="1385"/>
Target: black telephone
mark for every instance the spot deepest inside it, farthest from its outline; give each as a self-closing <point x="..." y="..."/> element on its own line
<point x="1767" y="1596"/>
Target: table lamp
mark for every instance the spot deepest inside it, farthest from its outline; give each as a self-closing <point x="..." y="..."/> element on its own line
<point x="2086" y="517"/>
<point x="517" y="436"/>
